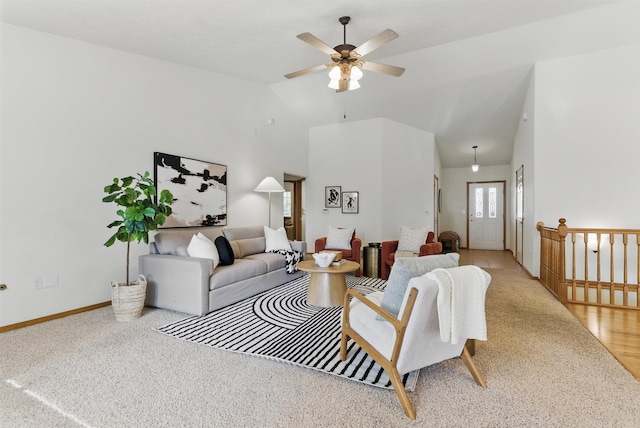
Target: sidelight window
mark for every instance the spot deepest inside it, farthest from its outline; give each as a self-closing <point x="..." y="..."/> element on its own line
<point x="479" y="202"/>
<point x="492" y="202"/>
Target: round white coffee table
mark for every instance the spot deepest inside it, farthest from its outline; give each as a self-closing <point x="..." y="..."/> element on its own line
<point x="327" y="285"/>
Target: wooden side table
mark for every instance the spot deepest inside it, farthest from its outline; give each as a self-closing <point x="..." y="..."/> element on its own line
<point x="327" y="285"/>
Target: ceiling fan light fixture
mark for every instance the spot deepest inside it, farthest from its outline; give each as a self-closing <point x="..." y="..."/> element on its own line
<point x="345" y="72"/>
<point x="356" y="73"/>
<point x="335" y="84"/>
<point x="353" y="84"/>
<point x="335" y="73"/>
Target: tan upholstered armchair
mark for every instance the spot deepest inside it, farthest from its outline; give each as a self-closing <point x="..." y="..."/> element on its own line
<point x="388" y="253"/>
<point x="352" y="253"/>
<point x="414" y="339"/>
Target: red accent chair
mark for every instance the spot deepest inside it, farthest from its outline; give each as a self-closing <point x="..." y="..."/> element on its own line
<point x="388" y="250"/>
<point x="353" y="254"/>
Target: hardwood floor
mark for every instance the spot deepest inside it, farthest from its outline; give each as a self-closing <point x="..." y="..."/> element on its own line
<point x="617" y="329"/>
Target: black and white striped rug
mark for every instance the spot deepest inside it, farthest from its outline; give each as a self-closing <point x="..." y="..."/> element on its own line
<point x="279" y="325"/>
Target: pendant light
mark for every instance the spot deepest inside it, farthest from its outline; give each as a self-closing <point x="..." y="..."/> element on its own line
<point x="475" y="167"/>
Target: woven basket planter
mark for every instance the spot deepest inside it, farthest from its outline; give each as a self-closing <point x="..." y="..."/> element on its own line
<point x="128" y="300"/>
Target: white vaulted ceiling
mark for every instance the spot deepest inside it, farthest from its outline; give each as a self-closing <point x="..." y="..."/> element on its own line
<point x="468" y="61"/>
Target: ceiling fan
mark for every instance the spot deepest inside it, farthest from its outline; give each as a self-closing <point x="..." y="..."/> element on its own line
<point x="346" y="64"/>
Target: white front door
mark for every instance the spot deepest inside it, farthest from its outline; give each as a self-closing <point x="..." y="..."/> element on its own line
<point x="486" y="216"/>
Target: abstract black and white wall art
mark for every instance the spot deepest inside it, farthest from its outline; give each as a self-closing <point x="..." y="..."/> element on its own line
<point x="199" y="190"/>
<point x="332" y="196"/>
<point x="350" y="203"/>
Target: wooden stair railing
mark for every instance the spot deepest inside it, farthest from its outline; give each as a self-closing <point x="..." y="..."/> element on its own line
<point x="592" y="266"/>
<point x="552" y="256"/>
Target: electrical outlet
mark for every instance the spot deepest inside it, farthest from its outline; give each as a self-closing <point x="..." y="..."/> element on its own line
<point x="37" y="283"/>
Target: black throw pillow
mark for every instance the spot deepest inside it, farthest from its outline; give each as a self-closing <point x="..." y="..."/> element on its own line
<point x="225" y="251"/>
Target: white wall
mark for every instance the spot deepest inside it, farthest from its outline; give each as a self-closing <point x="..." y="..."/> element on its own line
<point x="408" y="168"/>
<point x="391" y="166"/>
<point x="523" y="156"/>
<point x="581" y="145"/>
<point x="75" y="115"/>
<point x="454" y="197"/>
<point x="587" y="139"/>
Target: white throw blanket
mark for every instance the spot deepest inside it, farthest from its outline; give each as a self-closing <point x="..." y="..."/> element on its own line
<point x="461" y="292"/>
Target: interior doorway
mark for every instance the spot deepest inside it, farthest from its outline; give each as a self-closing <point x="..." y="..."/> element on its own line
<point x="486" y="215"/>
<point x="437" y="206"/>
<point x="519" y="214"/>
<point x="292" y="206"/>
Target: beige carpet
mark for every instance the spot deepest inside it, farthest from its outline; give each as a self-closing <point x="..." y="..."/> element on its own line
<point x="542" y="367"/>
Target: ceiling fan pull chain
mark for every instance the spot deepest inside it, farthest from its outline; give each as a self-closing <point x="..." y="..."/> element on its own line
<point x="344" y="106"/>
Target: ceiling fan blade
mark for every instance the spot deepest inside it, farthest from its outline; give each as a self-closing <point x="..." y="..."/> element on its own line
<point x="343" y="85"/>
<point x="314" y="41"/>
<point x="305" y="71"/>
<point x="385" y="37"/>
<point x="391" y="70"/>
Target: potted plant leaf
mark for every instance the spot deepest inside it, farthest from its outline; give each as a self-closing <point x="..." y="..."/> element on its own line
<point x="140" y="210"/>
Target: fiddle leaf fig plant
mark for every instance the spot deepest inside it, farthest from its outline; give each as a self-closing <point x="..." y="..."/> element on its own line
<point x="138" y="211"/>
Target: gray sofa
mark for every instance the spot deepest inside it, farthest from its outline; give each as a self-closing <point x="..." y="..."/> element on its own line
<point x="188" y="284"/>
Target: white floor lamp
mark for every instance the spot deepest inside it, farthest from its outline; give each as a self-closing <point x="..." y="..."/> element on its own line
<point x="270" y="185"/>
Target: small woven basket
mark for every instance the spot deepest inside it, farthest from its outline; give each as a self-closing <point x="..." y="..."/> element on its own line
<point x="128" y="300"/>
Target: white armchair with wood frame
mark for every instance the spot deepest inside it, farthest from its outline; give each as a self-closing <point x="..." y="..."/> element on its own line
<point x="407" y="343"/>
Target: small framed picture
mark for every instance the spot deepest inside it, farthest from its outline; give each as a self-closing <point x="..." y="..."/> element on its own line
<point x="332" y="196"/>
<point x="350" y="202"/>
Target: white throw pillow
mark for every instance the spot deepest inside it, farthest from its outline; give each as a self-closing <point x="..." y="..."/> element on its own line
<point x="202" y="247"/>
<point x="412" y="239"/>
<point x="339" y="239"/>
<point x="276" y="239"/>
